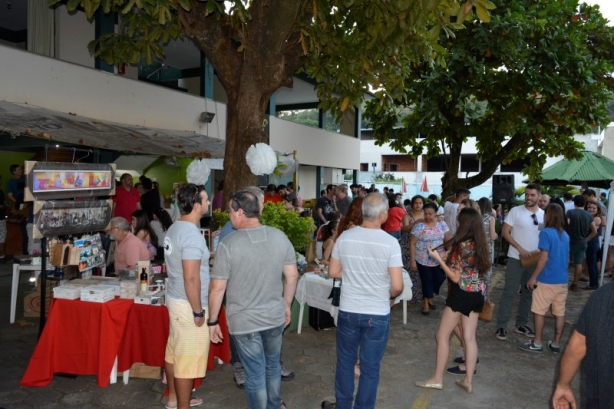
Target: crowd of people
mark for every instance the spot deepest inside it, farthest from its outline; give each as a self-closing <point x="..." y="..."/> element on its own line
<point x="367" y="239"/>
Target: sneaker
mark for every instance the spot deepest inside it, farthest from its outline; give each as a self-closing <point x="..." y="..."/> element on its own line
<point x="328" y="405"/>
<point x="286" y="375"/>
<point x="530" y="346"/>
<point x="554" y="348"/>
<point x="501" y="334"/>
<point x="526" y="331"/>
<point x="239" y="375"/>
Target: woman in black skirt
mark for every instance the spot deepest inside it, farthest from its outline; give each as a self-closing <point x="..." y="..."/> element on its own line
<point x="467" y="264"/>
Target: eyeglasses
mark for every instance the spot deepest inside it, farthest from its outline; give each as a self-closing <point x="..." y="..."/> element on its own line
<point x="197" y="198"/>
<point x="237" y="197"/>
<point x="535" y="222"/>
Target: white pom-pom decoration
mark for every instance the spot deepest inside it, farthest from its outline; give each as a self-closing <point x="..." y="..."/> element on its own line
<point x="261" y="159"/>
<point x="198" y="172"/>
<point x="288" y="167"/>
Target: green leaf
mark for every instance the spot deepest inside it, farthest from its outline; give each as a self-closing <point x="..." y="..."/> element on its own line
<point x="482" y="13"/>
<point x="185" y="4"/>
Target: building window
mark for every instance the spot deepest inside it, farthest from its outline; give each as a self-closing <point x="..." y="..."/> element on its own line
<point x="436" y="164"/>
<point x="470" y="163"/>
<point x="364" y="167"/>
<point x="515" y="165"/>
<point x="394" y="167"/>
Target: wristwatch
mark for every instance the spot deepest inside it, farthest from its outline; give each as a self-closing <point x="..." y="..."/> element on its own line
<point x="200" y="314"/>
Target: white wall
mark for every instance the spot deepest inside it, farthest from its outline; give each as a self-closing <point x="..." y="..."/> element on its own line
<point x="315" y="146"/>
<point x="307" y="182"/>
<point x="52" y="84"/>
<point x="73" y="32"/>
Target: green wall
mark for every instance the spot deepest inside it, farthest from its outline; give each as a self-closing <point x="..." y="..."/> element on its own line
<point x="166" y="176"/>
<point x="8" y="158"/>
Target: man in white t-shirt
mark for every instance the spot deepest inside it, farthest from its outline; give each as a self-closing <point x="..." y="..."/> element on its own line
<point x="370" y="264"/>
<point x="521" y="230"/>
<point x="450" y="208"/>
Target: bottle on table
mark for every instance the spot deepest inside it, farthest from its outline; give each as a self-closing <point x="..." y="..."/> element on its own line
<point x="143" y="278"/>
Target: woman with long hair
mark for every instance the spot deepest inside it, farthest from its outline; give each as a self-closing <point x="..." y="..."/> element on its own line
<point x="141" y="228"/>
<point x="428" y="233"/>
<point x="329" y="236"/>
<point x="160" y="224"/>
<point x="415" y="214"/>
<point x="593" y="246"/>
<point x="468" y="262"/>
<point x="353" y="217"/>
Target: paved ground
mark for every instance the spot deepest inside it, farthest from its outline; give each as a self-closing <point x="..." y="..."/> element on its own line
<point x="506" y="377"/>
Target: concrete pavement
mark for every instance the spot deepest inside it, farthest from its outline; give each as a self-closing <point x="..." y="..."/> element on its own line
<point x="506" y="376"/>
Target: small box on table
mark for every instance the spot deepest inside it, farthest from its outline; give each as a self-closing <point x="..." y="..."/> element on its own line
<point x="97" y="293"/>
<point x="67" y="291"/>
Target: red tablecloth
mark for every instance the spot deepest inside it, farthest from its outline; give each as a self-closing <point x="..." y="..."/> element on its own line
<point x="146" y="335"/>
<point x="83" y="338"/>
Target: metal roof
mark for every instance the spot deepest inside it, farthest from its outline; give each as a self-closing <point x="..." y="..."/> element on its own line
<point x="23" y="120"/>
<point x="593" y="170"/>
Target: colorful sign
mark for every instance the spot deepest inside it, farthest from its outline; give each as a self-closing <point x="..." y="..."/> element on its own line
<point x="65" y="180"/>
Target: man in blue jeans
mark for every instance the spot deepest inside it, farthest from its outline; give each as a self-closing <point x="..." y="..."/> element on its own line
<point x="370" y="264"/>
<point x="248" y="267"/>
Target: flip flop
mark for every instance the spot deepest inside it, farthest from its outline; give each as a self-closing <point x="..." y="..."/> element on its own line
<point x="193" y="402"/>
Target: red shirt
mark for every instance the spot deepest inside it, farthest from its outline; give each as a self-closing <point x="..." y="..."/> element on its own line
<point x="273" y="199"/>
<point x="395" y="217"/>
<point x="125" y="202"/>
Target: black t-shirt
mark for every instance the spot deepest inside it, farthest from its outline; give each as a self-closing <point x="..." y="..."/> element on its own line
<point x="579" y="226"/>
<point x="150" y="201"/>
<point x="596" y="323"/>
<point x="327" y="207"/>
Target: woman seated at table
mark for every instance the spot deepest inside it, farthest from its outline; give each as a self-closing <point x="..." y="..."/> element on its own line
<point x="142" y="230"/>
<point x="160" y="224"/>
<point x="329" y="235"/>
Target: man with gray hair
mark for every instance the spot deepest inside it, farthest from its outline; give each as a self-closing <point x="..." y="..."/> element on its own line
<point x="237" y="366"/>
<point x="247" y="267"/>
<point x="370" y="264"/>
<point x="343" y="199"/>
<point x="129" y="248"/>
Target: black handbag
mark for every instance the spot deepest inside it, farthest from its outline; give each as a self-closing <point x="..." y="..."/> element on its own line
<point x="335" y="293"/>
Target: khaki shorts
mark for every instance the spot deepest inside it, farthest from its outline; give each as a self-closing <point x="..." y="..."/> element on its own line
<point x="546" y="295"/>
<point x="187" y="347"/>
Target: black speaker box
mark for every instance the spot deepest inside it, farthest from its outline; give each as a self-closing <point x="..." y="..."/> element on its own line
<point x="503" y="190"/>
<point x="319" y="319"/>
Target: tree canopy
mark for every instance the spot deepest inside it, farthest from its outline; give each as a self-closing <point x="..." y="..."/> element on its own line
<point x="522" y="85"/>
<point x="257" y="46"/>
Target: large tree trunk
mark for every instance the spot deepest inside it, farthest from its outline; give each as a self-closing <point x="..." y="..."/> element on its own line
<point x="243" y="129"/>
<point x="252" y="62"/>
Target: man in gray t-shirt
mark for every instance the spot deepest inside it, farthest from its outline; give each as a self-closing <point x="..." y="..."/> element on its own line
<point x="248" y="267"/>
<point x="187" y="261"/>
<point x="343" y="199"/>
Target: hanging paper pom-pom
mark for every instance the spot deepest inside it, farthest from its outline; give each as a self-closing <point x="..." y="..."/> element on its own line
<point x="286" y="168"/>
<point x="261" y="159"/>
<point x="198" y="172"/>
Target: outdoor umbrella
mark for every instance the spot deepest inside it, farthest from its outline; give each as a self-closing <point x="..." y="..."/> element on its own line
<point x="592" y="170"/>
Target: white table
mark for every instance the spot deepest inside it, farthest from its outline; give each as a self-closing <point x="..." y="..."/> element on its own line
<point x="314" y="290"/>
<point x="17" y="270"/>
